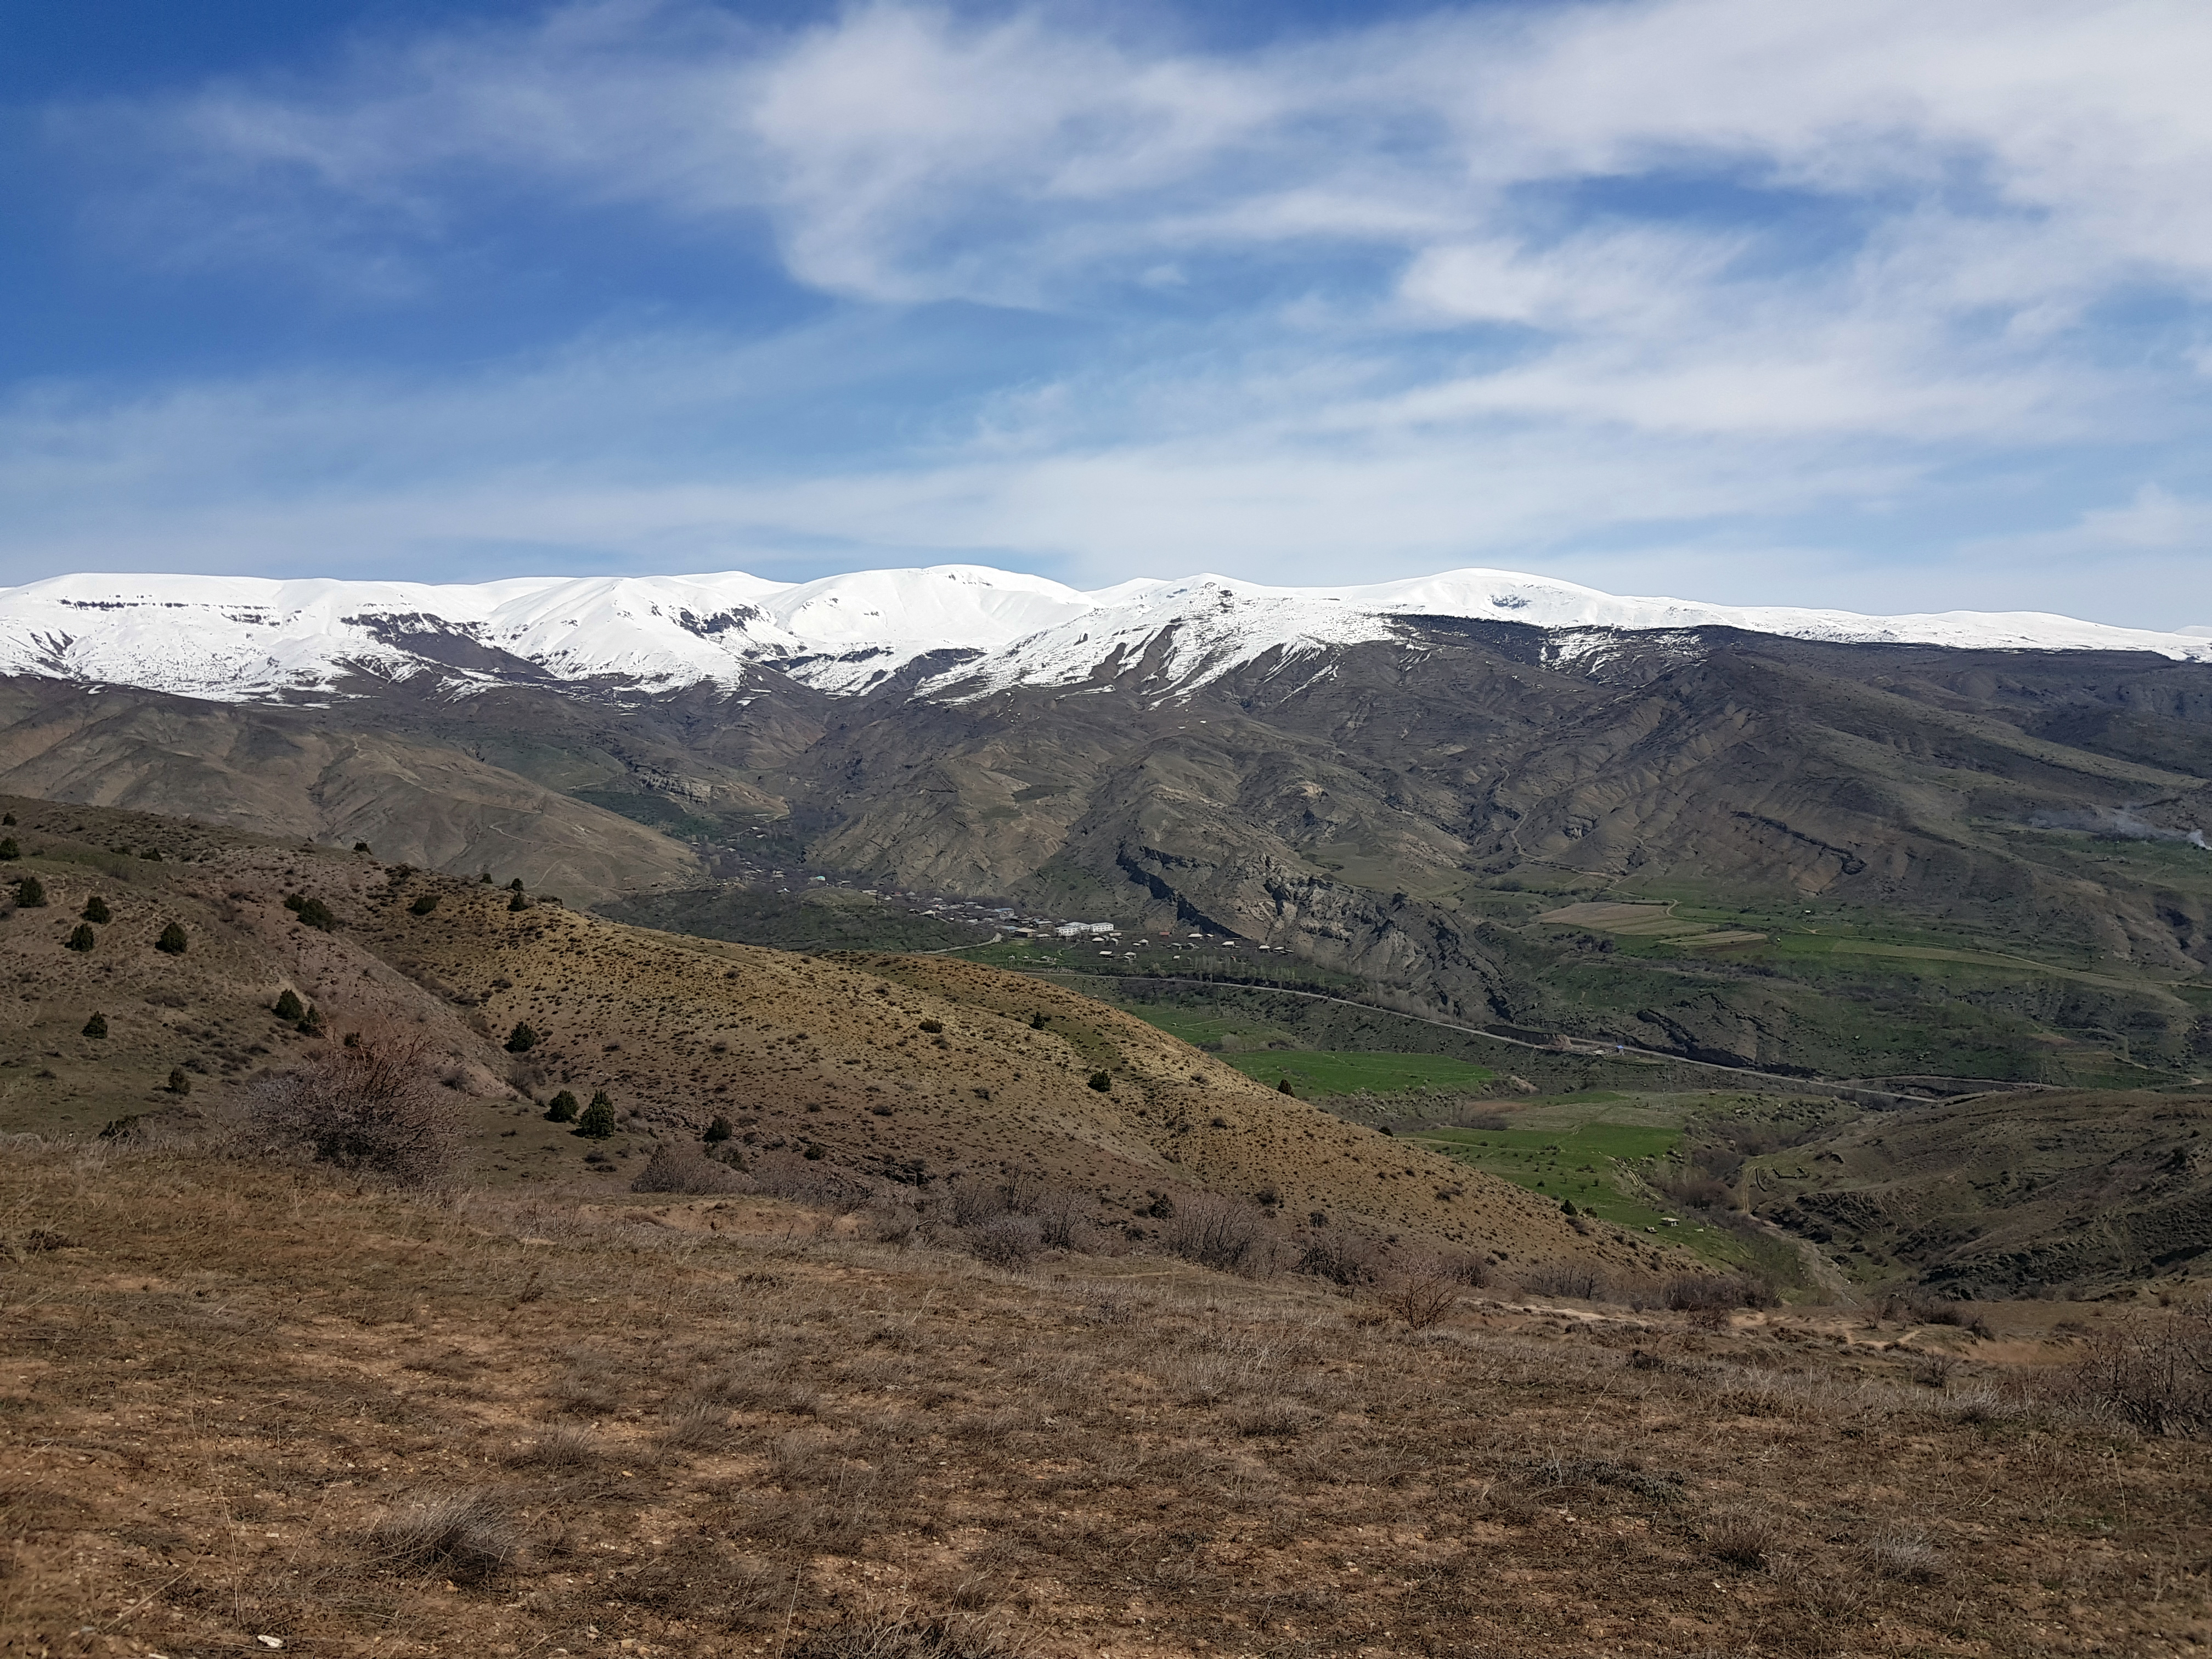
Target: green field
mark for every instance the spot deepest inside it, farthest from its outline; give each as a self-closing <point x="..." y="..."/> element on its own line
<point x="1336" y="1071"/>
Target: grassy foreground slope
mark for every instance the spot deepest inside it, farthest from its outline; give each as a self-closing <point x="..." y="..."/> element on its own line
<point x="249" y="1405"/>
<point x="912" y="1070"/>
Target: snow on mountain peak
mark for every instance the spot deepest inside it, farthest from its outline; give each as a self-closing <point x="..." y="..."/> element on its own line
<point x="244" y="638"/>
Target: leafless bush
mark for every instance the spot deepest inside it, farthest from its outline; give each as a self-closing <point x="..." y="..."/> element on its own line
<point x="374" y="1108"/>
<point x="466" y="1535"/>
<point x="808" y="1181"/>
<point x="1220" y="1233"/>
<point x="973" y="1201"/>
<point x="1570" y="1279"/>
<point x="1006" y="1240"/>
<point x="1421" y="1293"/>
<point x="889" y="1220"/>
<point x="1933" y="1370"/>
<point x="1341" y="1257"/>
<point x="1060" y="1221"/>
<point x="2155" y="1373"/>
<point x="674" y="1168"/>
<point x="1687" y="1292"/>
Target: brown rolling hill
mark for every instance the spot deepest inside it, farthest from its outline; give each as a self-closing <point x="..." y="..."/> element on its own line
<point x="876" y="1068"/>
<point x="2060" y="1192"/>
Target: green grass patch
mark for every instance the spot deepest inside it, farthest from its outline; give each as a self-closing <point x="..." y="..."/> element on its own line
<point x="1337" y="1072"/>
<point x="1581" y="1164"/>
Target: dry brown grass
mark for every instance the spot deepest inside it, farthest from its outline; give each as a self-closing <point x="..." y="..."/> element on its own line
<point x="250" y="1399"/>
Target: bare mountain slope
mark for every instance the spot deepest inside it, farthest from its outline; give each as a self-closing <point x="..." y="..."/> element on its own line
<point x="298" y="774"/>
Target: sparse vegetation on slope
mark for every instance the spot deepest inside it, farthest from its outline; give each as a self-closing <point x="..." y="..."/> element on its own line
<point x="257" y="1400"/>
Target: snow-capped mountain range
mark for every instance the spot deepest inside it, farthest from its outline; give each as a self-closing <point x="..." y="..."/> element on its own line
<point x="246" y="639"/>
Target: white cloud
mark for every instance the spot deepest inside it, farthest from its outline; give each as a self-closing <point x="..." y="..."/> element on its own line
<point x="1520" y="283"/>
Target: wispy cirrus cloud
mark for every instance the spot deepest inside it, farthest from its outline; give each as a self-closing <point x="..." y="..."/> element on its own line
<point x="1535" y="285"/>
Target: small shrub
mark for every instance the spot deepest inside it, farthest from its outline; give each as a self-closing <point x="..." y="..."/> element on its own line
<point x="173" y="941"/>
<point x="311" y="1023"/>
<point x="311" y="911"/>
<point x="1422" y="1294"/>
<point x="8" y="849"/>
<point x="1740" y="1540"/>
<point x="514" y="886"/>
<point x="1060" y="1222"/>
<point x="424" y="903"/>
<point x="1905" y="1555"/>
<point x="1933" y="1371"/>
<point x="1101" y="1082"/>
<point x="1574" y="1280"/>
<point x="83" y="938"/>
<point x="1006" y="1241"/>
<point x="95" y="909"/>
<point x="178" y="1083"/>
<point x="677" y="1168"/>
<point x="1341" y="1258"/>
<point x="517" y="902"/>
<point x="360" y="847"/>
<point x="558" y="1446"/>
<point x="718" y="1131"/>
<point x="521" y="1040"/>
<point x="31" y="893"/>
<point x="95" y="1027"/>
<point x="597" y="1121"/>
<point x="562" y="1109"/>
<point x="375" y="1110"/>
<point x="1220" y="1233"/>
<point x="1037" y="1021"/>
<point x="467" y="1536"/>
<point x="696" y="1426"/>
<point x="289" y="1005"/>
<point x="934" y="1027"/>
<point x="1283" y="1087"/>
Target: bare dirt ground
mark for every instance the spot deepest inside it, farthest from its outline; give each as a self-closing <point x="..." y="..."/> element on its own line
<point x="250" y="1407"/>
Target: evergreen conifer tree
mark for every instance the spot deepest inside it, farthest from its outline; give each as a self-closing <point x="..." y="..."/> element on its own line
<point x="521" y="1040"/>
<point x="96" y="1026"/>
<point x="95" y="909"/>
<point x="8" y="849"/>
<point x="83" y="938"/>
<point x="718" y="1131"/>
<point x="289" y="1005"/>
<point x="562" y="1109"/>
<point x="31" y="893"/>
<point x="173" y="941"/>
<point x="597" y="1121"/>
<point x="178" y="1083"/>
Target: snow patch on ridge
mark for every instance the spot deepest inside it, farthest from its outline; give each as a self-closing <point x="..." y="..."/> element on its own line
<point x="248" y="638"/>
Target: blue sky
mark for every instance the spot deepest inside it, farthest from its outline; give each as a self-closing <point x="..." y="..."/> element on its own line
<point x="1877" y="304"/>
